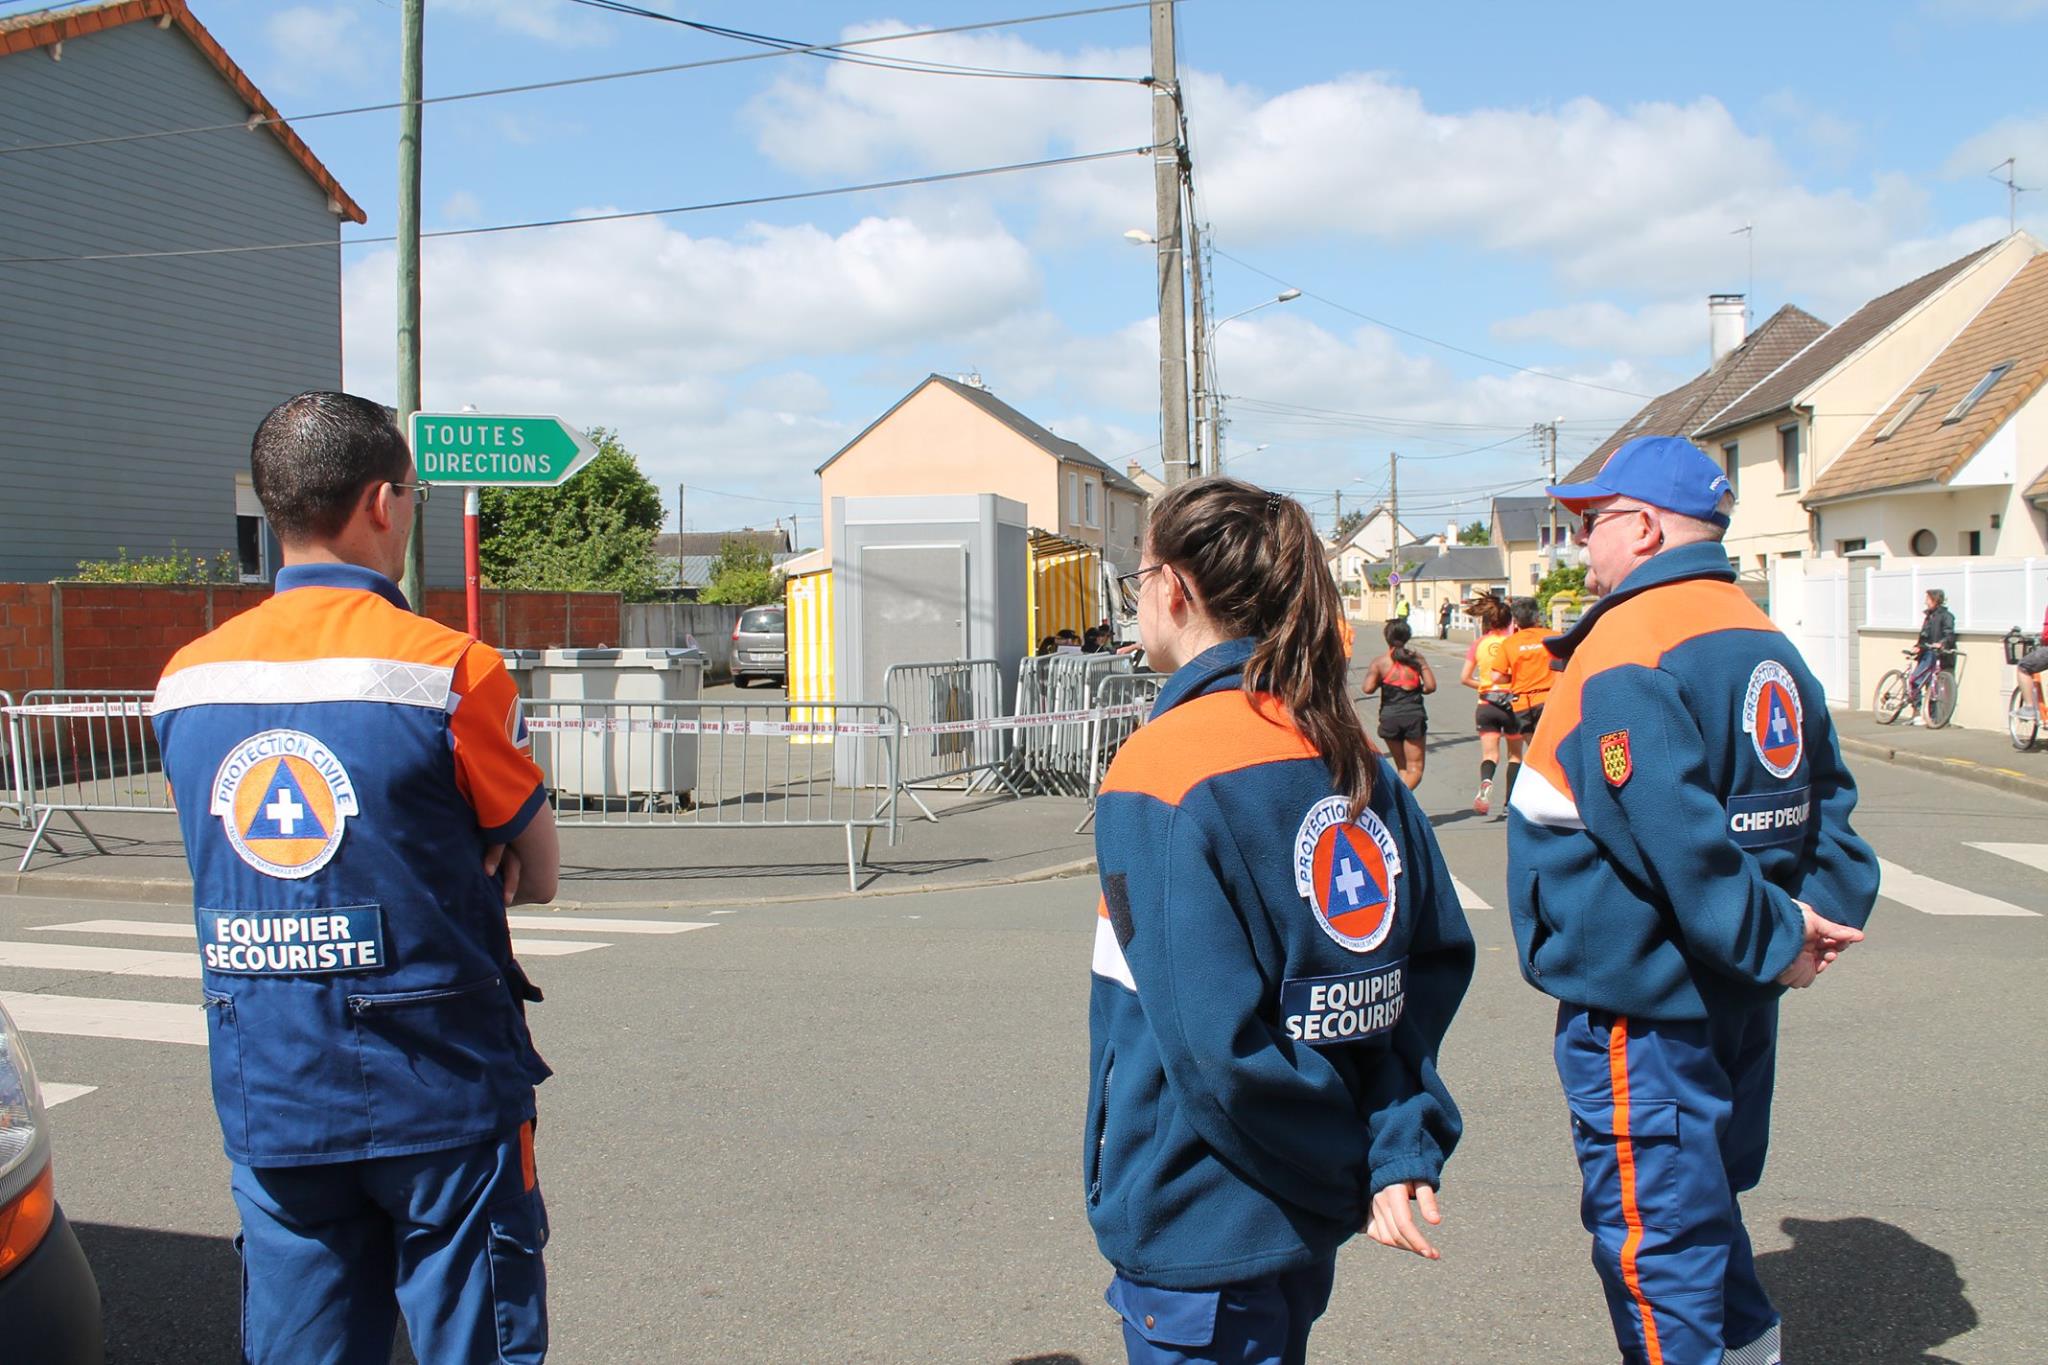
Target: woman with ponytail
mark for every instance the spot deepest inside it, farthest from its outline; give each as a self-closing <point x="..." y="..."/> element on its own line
<point x="1279" y="950"/>
<point x="1402" y="678"/>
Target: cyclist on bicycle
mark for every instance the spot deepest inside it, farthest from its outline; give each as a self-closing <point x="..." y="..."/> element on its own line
<point x="1935" y="649"/>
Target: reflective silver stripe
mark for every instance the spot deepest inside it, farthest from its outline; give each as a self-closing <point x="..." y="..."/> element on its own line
<point x="1764" y="1350"/>
<point x="1109" y="955"/>
<point x="254" y="682"/>
<point x="1537" y="801"/>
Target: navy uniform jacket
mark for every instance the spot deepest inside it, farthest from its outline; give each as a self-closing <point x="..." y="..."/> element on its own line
<point x="1272" y="982"/>
<point x="340" y="766"/>
<point x="1682" y="791"/>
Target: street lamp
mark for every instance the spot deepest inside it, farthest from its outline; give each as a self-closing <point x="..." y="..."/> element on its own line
<point x="1208" y="400"/>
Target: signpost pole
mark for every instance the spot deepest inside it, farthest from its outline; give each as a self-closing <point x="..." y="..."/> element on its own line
<point x="471" y="578"/>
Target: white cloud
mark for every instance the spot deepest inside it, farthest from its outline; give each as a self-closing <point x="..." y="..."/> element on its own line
<point x="313" y="48"/>
<point x="645" y="328"/>
<point x="2023" y="137"/>
<point x="551" y="21"/>
<point x="461" y="207"/>
<point x="1668" y="328"/>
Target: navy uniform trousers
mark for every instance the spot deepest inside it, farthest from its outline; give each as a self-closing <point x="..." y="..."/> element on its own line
<point x="1671" y="1121"/>
<point x="331" y="1254"/>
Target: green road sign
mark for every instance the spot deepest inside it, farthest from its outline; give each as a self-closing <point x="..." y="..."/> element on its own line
<point x="497" y="449"/>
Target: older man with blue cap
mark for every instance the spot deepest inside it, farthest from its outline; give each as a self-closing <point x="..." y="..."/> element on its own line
<point x="1679" y="852"/>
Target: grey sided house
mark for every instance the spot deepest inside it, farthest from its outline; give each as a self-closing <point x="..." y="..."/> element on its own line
<point x="131" y="377"/>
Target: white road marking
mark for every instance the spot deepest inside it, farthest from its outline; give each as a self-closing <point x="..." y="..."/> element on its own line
<point x="56" y="1092"/>
<point x="2033" y="855"/>
<point x="184" y="965"/>
<point x="574" y="924"/>
<point x="577" y="924"/>
<point x="1931" y="897"/>
<point x="1467" y="897"/>
<point x="143" y="1021"/>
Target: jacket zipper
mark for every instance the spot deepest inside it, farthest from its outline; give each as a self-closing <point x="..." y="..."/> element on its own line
<point x="363" y="1004"/>
<point x="1101" y="1135"/>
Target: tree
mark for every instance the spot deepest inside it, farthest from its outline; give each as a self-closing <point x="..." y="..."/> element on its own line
<point x="1349" y="522"/>
<point x="742" y="576"/>
<point x="1475" y="534"/>
<point x="1569" y="578"/>
<point x="595" y="532"/>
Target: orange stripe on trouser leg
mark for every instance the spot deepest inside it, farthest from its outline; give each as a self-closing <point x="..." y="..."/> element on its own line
<point x="1625" y="1160"/>
<point x="526" y="1170"/>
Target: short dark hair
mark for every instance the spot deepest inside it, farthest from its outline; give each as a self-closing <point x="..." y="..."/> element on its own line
<point x="315" y="454"/>
<point x="1526" y="612"/>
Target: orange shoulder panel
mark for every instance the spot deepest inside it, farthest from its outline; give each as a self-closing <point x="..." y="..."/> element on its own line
<point x="324" y="623"/>
<point x="1640" y="631"/>
<point x="1204" y="738"/>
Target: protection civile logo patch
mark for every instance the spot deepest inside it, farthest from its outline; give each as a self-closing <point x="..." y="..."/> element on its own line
<point x="284" y="800"/>
<point x="1773" y="718"/>
<point x="1346" y="870"/>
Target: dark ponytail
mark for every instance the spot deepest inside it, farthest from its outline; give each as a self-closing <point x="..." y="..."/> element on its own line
<point x="1399" y="633"/>
<point x="1257" y="564"/>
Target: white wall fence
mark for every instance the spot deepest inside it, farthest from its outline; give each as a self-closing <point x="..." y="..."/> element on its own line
<point x="1991" y="595"/>
<point x="1811" y="606"/>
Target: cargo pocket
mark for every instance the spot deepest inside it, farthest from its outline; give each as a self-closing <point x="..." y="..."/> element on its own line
<point x="224" y="1062"/>
<point x="1166" y="1317"/>
<point x="1633" y="1169"/>
<point x="436" y="1055"/>
<point x="519" y="1281"/>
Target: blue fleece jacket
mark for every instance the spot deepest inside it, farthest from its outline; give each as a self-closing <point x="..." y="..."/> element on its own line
<point x="1682" y="791"/>
<point x="1272" y="983"/>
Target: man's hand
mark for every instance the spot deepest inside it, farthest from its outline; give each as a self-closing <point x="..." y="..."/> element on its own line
<point x="1391" y="1224"/>
<point x="502" y="858"/>
<point x="1825" y="941"/>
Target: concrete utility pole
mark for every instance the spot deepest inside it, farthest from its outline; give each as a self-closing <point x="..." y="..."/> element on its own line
<point x="1548" y="431"/>
<point x="413" y="26"/>
<point x="1210" y="462"/>
<point x="1166" y="197"/>
<point x="1394" y="509"/>
<point x="1337" y="526"/>
<point x="679" y="535"/>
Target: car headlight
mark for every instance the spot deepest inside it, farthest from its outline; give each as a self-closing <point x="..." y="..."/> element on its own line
<point x="27" y="1195"/>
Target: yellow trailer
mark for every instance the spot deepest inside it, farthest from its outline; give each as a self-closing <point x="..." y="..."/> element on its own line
<point x="1065" y="586"/>
<point x="808" y="598"/>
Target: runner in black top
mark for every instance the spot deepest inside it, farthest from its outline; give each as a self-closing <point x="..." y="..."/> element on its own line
<point x="1402" y="678"/>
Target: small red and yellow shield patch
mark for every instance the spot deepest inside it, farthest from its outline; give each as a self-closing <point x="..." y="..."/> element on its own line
<point x="1615" y="764"/>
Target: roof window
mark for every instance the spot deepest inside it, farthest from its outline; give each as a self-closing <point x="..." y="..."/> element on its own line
<point x="1962" y="409"/>
<point x="1913" y="405"/>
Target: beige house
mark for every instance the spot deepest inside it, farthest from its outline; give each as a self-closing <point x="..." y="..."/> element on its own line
<point x="1521" y="529"/>
<point x="1955" y="457"/>
<point x="954" y="436"/>
<point x="1738" y="364"/>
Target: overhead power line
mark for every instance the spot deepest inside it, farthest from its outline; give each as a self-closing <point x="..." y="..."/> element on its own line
<point x="834" y="53"/>
<point x="258" y="120"/>
<point x="790" y="197"/>
<point x="1430" y="340"/>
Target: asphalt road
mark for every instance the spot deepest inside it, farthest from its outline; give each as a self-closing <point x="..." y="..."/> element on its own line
<point x="850" y="1130"/>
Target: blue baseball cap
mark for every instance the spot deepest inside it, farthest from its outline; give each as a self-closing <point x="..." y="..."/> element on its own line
<point x="1662" y="471"/>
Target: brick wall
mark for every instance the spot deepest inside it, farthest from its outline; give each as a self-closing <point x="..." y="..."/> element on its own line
<point x="119" y="636"/>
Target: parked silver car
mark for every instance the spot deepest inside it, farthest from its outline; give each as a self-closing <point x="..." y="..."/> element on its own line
<point x="49" y="1301"/>
<point x="760" y="645"/>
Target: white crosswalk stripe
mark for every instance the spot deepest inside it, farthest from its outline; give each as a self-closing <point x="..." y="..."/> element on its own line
<point x="2033" y="855"/>
<point x="1931" y="897"/>
<point x="1467" y="897"/>
<point x="146" y="1021"/>
<point x="57" y="1092"/>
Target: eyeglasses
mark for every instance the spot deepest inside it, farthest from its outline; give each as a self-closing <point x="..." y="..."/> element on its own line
<point x="1591" y="516"/>
<point x="1129" y="585"/>
<point x="420" y="491"/>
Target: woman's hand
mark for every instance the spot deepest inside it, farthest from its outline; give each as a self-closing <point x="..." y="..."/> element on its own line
<point x="1392" y="1225"/>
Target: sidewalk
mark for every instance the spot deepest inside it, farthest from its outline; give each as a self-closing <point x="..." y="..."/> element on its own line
<point x="977" y="841"/>
<point x="1981" y="756"/>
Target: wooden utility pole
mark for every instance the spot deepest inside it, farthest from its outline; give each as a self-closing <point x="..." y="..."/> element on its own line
<point x="1548" y="430"/>
<point x="1394" y="510"/>
<point x="413" y="26"/>
<point x="1166" y="198"/>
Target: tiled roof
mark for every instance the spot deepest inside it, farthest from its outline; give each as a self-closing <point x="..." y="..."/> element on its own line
<point x="1781" y="336"/>
<point x="1519" y="517"/>
<point x="46" y="28"/>
<point x="1466" y="563"/>
<point x="712" y="542"/>
<point x="1056" y="446"/>
<point x="695" y="570"/>
<point x="1783" y="386"/>
<point x="2012" y="328"/>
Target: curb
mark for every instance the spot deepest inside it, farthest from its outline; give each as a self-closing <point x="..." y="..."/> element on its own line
<point x="1966" y="769"/>
<point x="157" y="891"/>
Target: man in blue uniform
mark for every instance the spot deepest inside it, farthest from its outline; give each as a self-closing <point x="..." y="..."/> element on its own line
<point x="1679" y="852"/>
<point x="360" y="805"/>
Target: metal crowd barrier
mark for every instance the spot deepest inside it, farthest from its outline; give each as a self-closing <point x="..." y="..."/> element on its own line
<point x="1107" y="730"/>
<point x="926" y="694"/>
<point x="1053" y="759"/>
<point x="13" y="787"/>
<point x="684" y="764"/>
<point x="80" y="752"/>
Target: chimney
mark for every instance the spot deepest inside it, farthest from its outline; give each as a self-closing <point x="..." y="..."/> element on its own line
<point x="1727" y="323"/>
<point x="1450" y="538"/>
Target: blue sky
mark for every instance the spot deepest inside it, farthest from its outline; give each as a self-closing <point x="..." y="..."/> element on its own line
<point x="1551" y="186"/>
